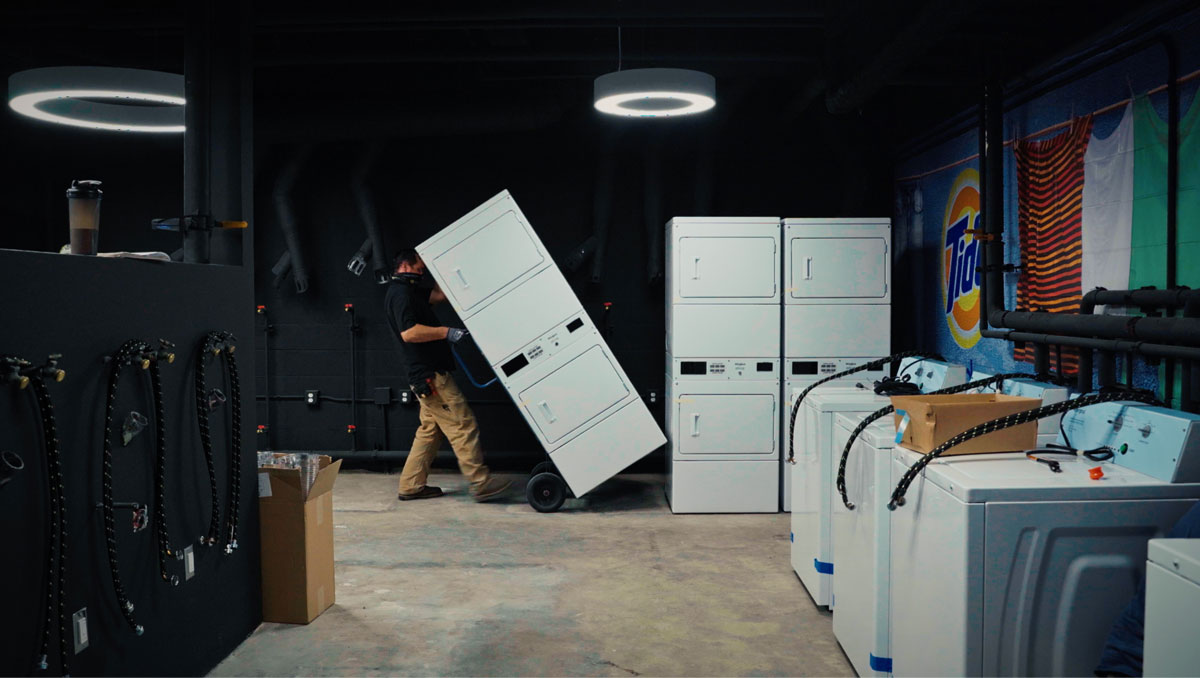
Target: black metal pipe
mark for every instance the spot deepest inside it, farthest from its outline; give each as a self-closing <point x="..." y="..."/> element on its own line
<point x="353" y="377"/>
<point x="1169" y="299"/>
<point x="262" y="310"/>
<point x="653" y="215"/>
<point x="602" y="206"/>
<point x="992" y="201"/>
<point x="1041" y="360"/>
<point x="197" y="136"/>
<point x="1171" y="53"/>
<point x="1191" y="371"/>
<point x="1110" y="345"/>
<point x="366" y="211"/>
<point x="1173" y="331"/>
<point x="1108" y="369"/>
<point x="287" y="215"/>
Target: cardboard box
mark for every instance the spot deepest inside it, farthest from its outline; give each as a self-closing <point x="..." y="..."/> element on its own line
<point x="934" y="419"/>
<point x="297" y="543"/>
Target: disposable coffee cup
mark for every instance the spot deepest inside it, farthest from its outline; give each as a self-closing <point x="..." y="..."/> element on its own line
<point x="83" y="204"/>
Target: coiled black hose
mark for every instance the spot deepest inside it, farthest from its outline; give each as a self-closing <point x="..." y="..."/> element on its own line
<point x="235" y="441"/>
<point x="207" y="345"/>
<point x="884" y="411"/>
<point x="160" y="472"/>
<point x="1009" y="421"/>
<point x="58" y="515"/>
<point x="873" y="365"/>
<point x="128" y="353"/>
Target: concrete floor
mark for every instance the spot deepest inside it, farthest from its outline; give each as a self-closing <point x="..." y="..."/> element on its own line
<point x="612" y="585"/>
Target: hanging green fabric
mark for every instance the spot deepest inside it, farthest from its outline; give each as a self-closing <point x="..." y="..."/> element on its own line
<point x="1148" y="239"/>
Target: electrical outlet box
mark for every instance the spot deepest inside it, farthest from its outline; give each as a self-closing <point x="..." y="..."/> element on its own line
<point x="189" y="563"/>
<point x="383" y="395"/>
<point x="406" y="397"/>
<point x="652" y="396"/>
<point x="312" y="396"/>
<point x="79" y="626"/>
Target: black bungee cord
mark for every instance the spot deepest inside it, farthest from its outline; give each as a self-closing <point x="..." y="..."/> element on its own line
<point x="22" y="373"/>
<point x="884" y="411"/>
<point x="1015" y="419"/>
<point x="872" y="365"/>
<point x="221" y="344"/>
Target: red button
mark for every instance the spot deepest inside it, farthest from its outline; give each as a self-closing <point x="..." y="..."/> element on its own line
<point x="1096" y="473"/>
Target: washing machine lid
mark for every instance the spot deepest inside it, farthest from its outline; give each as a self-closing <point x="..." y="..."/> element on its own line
<point x="881" y="435"/>
<point x="980" y="478"/>
<point x="1030" y="388"/>
<point x="846" y="400"/>
<point x="1181" y="556"/>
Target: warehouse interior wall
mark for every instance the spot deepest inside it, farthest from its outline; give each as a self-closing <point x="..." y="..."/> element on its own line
<point x="932" y="181"/>
<point x="760" y="164"/>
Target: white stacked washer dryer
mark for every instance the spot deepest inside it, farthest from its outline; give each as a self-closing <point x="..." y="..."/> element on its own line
<point x="545" y="350"/>
<point x="722" y="372"/>
<point x="999" y="566"/>
<point x="836" y="305"/>
<point x="817" y="454"/>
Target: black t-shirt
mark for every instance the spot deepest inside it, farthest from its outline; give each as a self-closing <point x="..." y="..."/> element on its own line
<point x="407" y="304"/>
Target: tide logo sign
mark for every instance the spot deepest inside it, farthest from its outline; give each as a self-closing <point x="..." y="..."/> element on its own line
<point x="960" y="257"/>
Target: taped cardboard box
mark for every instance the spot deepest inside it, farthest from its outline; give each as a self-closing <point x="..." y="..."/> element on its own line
<point x="297" y="542"/>
<point x="934" y="419"/>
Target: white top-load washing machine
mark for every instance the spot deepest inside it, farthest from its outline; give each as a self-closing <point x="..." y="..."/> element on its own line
<point x="1172" y="608"/>
<point x="722" y="373"/>
<point x="1000" y="566"/>
<point x="816" y="460"/>
<point x="545" y="350"/>
<point x="836" y="304"/>
<point x="861" y="546"/>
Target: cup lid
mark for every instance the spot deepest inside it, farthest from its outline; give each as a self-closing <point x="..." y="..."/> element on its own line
<point x="84" y="188"/>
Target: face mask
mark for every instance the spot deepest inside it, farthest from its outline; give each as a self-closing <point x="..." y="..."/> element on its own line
<point x="410" y="278"/>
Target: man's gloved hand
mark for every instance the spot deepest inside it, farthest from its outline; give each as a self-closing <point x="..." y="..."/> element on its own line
<point x="455" y="334"/>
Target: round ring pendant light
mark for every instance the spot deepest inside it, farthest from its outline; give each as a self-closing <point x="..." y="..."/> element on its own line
<point x="655" y="92"/>
<point x="142" y="101"/>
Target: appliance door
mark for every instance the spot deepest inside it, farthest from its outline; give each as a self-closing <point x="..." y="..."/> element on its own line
<point x="841" y="268"/>
<point x="727" y="268"/>
<point x="565" y="400"/>
<point x="499" y="250"/>
<point x="731" y="426"/>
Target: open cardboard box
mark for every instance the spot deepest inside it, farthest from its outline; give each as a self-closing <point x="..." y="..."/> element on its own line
<point x="297" y="542"/>
<point x="934" y="419"/>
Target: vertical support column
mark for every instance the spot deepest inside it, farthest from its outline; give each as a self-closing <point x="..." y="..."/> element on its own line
<point x="197" y="72"/>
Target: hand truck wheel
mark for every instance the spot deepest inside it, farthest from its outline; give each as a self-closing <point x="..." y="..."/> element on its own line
<point x="546" y="492"/>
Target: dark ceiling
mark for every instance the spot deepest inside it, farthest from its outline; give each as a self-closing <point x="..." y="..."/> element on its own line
<point x="902" y="65"/>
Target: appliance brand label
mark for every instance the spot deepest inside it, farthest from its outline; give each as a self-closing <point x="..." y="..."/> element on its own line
<point x="960" y="257"/>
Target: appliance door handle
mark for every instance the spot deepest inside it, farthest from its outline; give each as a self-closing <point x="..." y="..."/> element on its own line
<point x="461" y="278"/>
<point x="695" y="424"/>
<point x="546" y="409"/>
<point x="696" y="268"/>
<point x="808" y="268"/>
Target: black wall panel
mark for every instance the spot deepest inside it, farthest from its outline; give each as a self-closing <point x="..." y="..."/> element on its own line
<point x="85" y="308"/>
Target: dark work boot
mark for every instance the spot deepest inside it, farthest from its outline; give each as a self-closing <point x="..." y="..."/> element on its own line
<point x="427" y="492"/>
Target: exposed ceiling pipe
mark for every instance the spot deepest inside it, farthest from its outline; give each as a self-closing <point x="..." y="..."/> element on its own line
<point x="913" y="40"/>
<point x="387" y="54"/>
<point x="282" y="196"/>
<point x="367" y="212"/>
<point x="653" y="213"/>
<point x="599" y="12"/>
<point x="602" y="205"/>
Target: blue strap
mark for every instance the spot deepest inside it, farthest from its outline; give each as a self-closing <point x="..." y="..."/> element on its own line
<point x="467" y="372"/>
<point x="881" y="664"/>
<point x="905" y="420"/>
<point x="792" y="537"/>
<point x="822" y="567"/>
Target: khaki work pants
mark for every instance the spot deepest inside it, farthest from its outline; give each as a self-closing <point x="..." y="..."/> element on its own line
<point x="444" y="414"/>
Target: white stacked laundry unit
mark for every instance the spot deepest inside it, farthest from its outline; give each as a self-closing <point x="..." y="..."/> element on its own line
<point x="722" y="368"/>
<point x="544" y="348"/>
<point x="837" y="311"/>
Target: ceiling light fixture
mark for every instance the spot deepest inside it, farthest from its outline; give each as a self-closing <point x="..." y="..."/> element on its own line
<point x="655" y="92"/>
<point x="66" y="95"/>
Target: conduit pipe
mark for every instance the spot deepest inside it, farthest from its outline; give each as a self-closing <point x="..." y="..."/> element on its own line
<point x="366" y="210"/>
<point x="282" y="195"/>
<point x="653" y="214"/>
